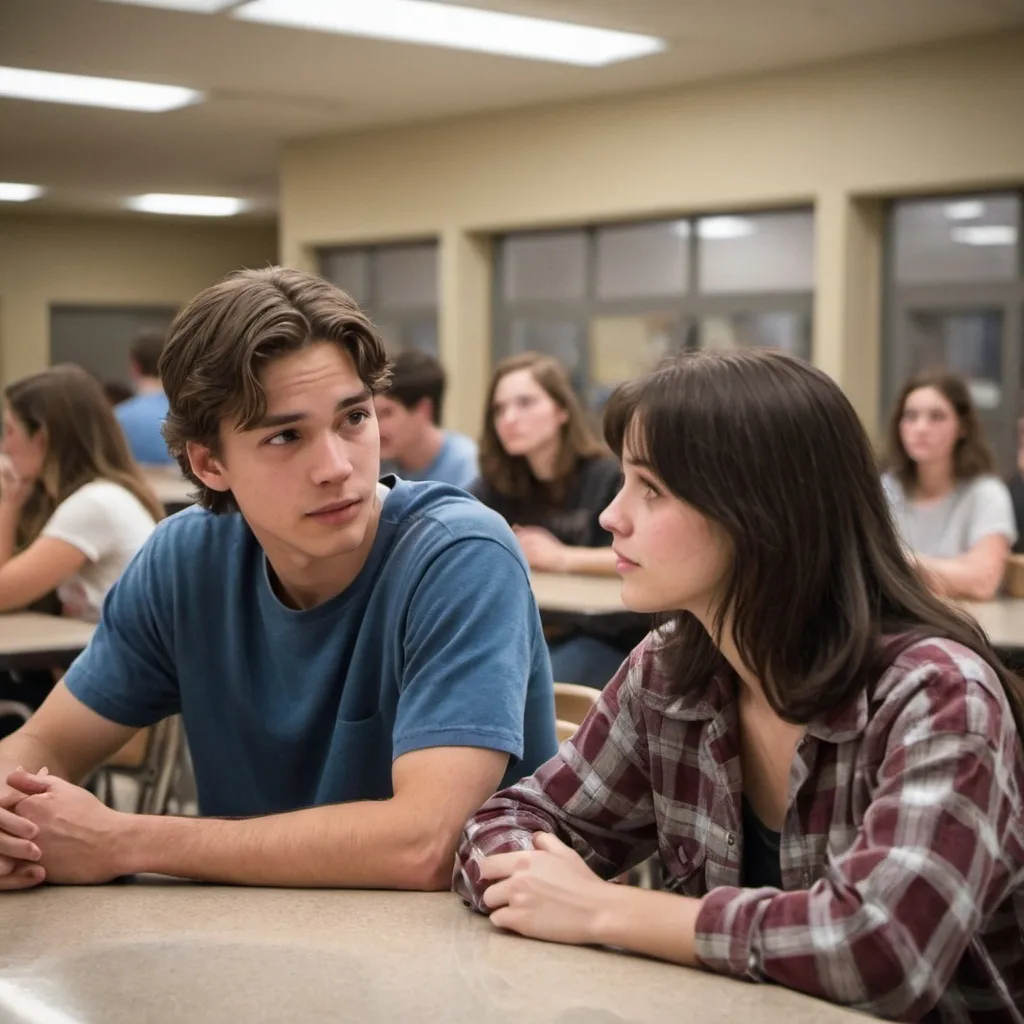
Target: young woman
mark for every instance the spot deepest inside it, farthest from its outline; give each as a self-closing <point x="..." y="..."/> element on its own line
<point x="74" y="507"/>
<point x="826" y="756"/>
<point x="544" y="471"/>
<point x="952" y="512"/>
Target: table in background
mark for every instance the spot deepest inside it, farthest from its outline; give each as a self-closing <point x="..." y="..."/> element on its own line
<point x="172" y="490"/>
<point x="166" y="951"/>
<point x="1002" y="619"/>
<point x="29" y="640"/>
<point x="585" y="595"/>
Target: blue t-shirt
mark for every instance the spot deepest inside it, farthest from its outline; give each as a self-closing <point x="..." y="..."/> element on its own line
<point x="437" y="642"/>
<point x="141" y="418"/>
<point x="455" y="464"/>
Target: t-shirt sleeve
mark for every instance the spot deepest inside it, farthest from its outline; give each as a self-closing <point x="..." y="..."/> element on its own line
<point x="991" y="512"/>
<point x="471" y="635"/>
<point x="86" y="521"/>
<point x="127" y="673"/>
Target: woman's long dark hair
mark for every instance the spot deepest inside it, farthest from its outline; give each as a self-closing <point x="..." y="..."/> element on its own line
<point x="84" y="442"/>
<point x="510" y="475"/>
<point x="971" y="455"/>
<point x="769" y="449"/>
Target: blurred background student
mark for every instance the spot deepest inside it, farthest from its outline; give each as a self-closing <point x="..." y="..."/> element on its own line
<point x="953" y="513"/>
<point x="142" y="416"/>
<point x="544" y="470"/>
<point x="74" y="508"/>
<point x="412" y="443"/>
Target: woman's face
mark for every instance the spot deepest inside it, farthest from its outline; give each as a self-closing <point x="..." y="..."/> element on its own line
<point x="526" y="418"/>
<point x="670" y="557"/>
<point x="25" y="451"/>
<point x="929" y="426"/>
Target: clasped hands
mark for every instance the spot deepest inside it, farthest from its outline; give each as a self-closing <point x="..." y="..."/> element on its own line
<point x="52" y="830"/>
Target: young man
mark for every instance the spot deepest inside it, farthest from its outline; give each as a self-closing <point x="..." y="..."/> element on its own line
<point x="142" y="416"/>
<point x="411" y="439"/>
<point x="358" y="664"/>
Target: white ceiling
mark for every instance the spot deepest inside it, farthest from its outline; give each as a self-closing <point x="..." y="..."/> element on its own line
<point x="269" y="84"/>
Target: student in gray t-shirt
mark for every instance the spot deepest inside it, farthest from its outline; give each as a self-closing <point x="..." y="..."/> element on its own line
<point x="412" y="443"/>
<point x="954" y="514"/>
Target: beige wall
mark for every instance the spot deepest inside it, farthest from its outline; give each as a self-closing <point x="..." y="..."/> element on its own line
<point x="841" y="136"/>
<point x="109" y="261"/>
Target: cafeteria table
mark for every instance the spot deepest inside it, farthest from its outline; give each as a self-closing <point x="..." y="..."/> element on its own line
<point x="161" y="951"/>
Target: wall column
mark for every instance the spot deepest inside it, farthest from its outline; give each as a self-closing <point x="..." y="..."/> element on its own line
<point x="465" y="326"/>
<point x="848" y="299"/>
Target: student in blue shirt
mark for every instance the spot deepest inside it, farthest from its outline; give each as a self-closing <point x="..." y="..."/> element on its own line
<point x="142" y="416"/>
<point x="357" y="664"/>
<point x="412" y="443"/>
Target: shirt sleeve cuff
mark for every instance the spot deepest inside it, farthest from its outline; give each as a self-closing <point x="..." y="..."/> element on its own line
<point x="726" y="926"/>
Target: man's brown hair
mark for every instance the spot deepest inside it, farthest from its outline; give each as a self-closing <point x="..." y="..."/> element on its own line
<point x="145" y="350"/>
<point x="221" y="343"/>
<point x="416" y="375"/>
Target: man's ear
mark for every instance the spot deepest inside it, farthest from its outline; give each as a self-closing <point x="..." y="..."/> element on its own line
<point x="206" y="467"/>
<point x="425" y="408"/>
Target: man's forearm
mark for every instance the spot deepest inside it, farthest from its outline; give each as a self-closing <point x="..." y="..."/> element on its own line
<point x="357" y="845"/>
<point x="26" y="750"/>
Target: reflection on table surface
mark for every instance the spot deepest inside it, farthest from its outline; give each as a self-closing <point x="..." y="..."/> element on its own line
<point x="164" y="951"/>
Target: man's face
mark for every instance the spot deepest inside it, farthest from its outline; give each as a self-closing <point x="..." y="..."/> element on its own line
<point x="305" y="477"/>
<point x="400" y="428"/>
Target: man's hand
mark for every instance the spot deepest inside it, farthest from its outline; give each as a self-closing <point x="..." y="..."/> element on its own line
<point x="19" y="855"/>
<point x="80" y="837"/>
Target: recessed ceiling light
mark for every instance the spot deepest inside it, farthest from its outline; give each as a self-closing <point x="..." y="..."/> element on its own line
<point x="722" y="228"/>
<point x="50" y="87"/>
<point x="186" y="205"/>
<point x="199" y="6"/>
<point x="461" y="28"/>
<point x="964" y="209"/>
<point x="13" y="192"/>
<point x="985" y="234"/>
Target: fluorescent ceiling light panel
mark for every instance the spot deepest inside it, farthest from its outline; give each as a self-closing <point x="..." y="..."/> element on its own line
<point x="719" y="229"/>
<point x="186" y="205"/>
<point x="12" y="192"/>
<point x="964" y="209"/>
<point x="985" y="234"/>
<point x="460" y="28"/>
<point x="82" y="90"/>
<point x="198" y="6"/>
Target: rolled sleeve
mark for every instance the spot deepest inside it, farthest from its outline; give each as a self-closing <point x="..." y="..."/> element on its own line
<point x="886" y="928"/>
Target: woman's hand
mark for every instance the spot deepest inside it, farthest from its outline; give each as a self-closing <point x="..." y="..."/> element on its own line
<point x="546" y="893"/>
<point x="14" y="490"/>
<point x="543" y="550"/>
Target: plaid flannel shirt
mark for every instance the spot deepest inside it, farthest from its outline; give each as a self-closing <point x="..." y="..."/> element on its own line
<point x="902" y="852"/>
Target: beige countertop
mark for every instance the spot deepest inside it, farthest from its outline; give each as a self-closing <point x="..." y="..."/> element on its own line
<point x="30" y="632"/>
<point x="589" y="595"/>
<point x="1002" y="619"/>
<point x="164" y="951"/>
<point x="170" y="486"/>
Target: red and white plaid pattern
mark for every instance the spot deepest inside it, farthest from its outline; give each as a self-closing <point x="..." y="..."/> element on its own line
<point x="902" y="853"/>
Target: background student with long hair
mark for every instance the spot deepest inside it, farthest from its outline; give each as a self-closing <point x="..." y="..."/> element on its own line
<point x="546" y="473"/>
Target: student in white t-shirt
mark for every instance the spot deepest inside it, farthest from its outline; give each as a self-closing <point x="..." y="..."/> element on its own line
<point x="953" y="513"/>
<point x="74" y="507"/>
